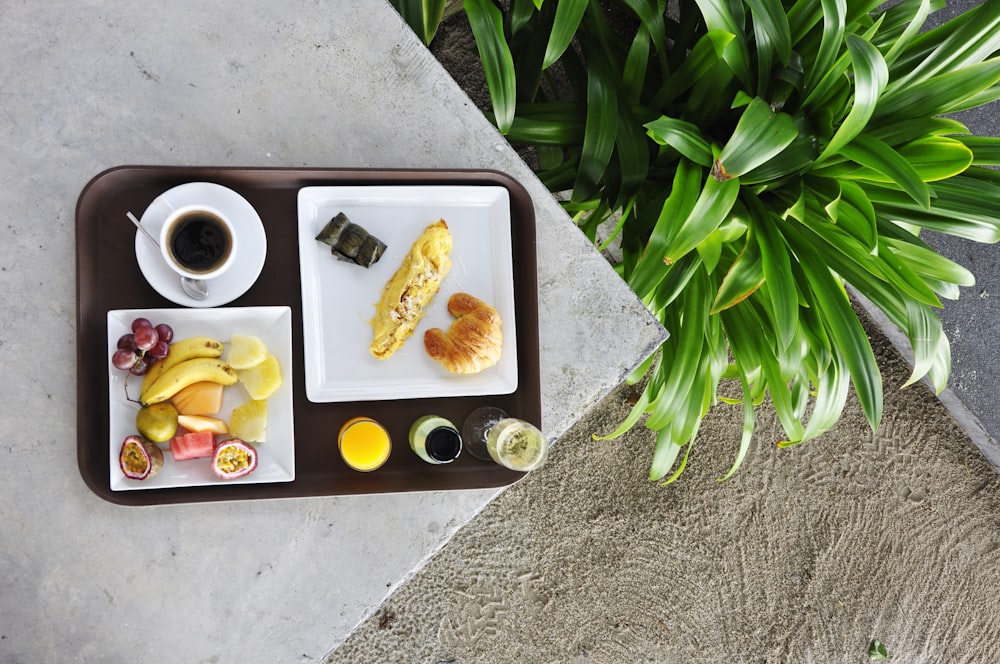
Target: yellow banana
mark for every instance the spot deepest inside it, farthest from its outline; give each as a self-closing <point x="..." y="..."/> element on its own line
<point x="179" y="376"/>
<point x="180" y="351"/>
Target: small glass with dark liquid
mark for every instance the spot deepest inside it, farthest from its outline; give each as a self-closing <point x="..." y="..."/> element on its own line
<point x="198" y="242"/>
<point x="435" y="439"/>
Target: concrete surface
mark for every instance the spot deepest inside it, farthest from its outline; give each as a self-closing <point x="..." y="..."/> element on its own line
<point x="89" y="85"/>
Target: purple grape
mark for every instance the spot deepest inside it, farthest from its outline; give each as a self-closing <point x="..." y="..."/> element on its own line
<point x="142" y="365"/>
<point x="146" y="338"/>
<point x="123" y="359"/>
<point x="140" y="322"/>
<point x="166" y="332"/>
<point x="127" y="342"/>
<point x="160" y="350"/>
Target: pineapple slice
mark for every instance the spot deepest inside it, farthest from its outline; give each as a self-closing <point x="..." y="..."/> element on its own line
<point x="249" y="421"/>
<point x="245" y="351"/>
<point x="262" y="379"/>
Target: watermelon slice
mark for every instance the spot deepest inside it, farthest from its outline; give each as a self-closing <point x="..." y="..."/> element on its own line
<point x="195" y="445"/>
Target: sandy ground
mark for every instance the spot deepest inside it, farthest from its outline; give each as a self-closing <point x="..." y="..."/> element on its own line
<point x="806" y="555"/>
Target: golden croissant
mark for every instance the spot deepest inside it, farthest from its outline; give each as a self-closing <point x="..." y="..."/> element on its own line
<point x="411" y="289"/>
<point x="474" y="340"/>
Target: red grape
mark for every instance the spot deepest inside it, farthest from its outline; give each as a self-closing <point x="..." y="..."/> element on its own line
<point x="146" y="338"/>
<point x="123" y="359"/>
<point x="160" y="350"/>
<point x="166" y="332"/>
<point x="140" y="322"/>
<point x="142" y="365"/>
<point x="127" y="342"/>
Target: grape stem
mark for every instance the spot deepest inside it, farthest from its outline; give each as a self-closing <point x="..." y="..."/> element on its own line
<point x="138" y="360"/>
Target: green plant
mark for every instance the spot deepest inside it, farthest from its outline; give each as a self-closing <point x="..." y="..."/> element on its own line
<point x="877" y="650"/>
<point x="423" y="16"/>
<point x="757" y="156"/>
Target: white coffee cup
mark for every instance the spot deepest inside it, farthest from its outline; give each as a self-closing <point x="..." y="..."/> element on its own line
<point x="198" y="241"/>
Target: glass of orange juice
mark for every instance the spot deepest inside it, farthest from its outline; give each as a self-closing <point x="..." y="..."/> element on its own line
<point x="364" y="444"/>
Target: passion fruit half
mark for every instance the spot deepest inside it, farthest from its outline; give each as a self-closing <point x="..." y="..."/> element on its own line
<point x="233" y="458"/>
<point x="139" y="458"/>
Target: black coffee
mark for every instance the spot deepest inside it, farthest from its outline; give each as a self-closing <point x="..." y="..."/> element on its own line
<point x="200" y="242"/>
<point x="443" y="444"/>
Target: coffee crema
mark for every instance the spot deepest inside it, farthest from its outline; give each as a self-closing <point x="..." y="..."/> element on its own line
<point x="200" y="242"/>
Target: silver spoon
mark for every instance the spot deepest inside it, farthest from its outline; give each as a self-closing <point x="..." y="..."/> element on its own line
<point x="196" y="289"/>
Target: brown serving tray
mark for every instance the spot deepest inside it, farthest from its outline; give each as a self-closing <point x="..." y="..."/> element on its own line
<point x="108" y="278"/>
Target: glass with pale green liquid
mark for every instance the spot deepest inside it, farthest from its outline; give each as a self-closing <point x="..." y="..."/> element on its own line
<point x="490" y="435"/>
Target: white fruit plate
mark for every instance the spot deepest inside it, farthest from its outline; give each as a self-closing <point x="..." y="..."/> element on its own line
<point x="276" y="456"/>
<point x="339" y="297"/>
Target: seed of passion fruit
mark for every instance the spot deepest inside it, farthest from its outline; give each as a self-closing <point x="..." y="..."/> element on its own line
<point x="140" y="459"/>
<point x="233" y="458"/>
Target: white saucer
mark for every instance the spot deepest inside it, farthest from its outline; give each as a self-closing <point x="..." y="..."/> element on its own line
<point x="251" y="253"/>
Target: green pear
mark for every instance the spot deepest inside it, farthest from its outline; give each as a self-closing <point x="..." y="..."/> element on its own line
<point x="158" y="422"/>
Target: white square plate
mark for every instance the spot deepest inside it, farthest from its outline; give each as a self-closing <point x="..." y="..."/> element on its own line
<point x="339" y="297"/>
<point x="276" y="456"/>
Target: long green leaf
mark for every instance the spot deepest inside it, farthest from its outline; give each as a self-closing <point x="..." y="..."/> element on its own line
<point x="884" y="267"/>
<point x="664" y="455"/>
<point x="650" y="13"/>
<point x="870" y="78"/>
<point x="843" y="327"/>
<point x="831" y="397"/>
<point x="701" y="63"/>
<point x="423" y="16"/>
<point x="569" y="13"/>
<point x="760" y="134"/>
<point x="710" y="210"/>
<point x="677" y="278"/>
<point x="933" y="158"/>
<point x="777" y="385"/>
<point x="633" y="418"/>
<point x="856" y="214"/>
<point x="602" y="122"/>
<point x="939" y="94"/>
<point x="744" y="277"/>
<point x="687" y="354"/>
<point x="925" y="332"/>
<point x="632" y="152"/>
<point x="776" y="263"/>
<point x="834" y="23"/>
<point x="914" y="23"/>
<point x="985" y="149"/>
<point x="636" y="63"/>
<point x="773" y="38"/>
<point x="905" y="131"/>
<point x="929" y="263"/>
<point x="749" y="422"/>
<point x="685" y="137"/>
<point x="556" y="132"/>
<point x="968" y="42"/>
<point x="728" y="17"/>
<point x="684" y="195"/>
<point x="969" y="228"/>
<point x="879" y="157"/>
<point x="498" y="63"/>
<point x="521" y="13"/>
